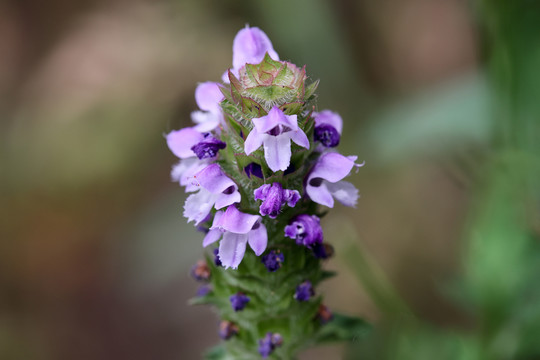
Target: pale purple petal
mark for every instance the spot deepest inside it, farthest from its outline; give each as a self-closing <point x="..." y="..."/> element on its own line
<point x="235" y="221"/>
<point x="184" y="171"/>
<point x="253" y="141"/>
<point x="231" y="249"/>
<point x="181" y="141"/>
<point x="344" y="192"/>
<point x="258" y="238"/>
<point x="261" y="192"/>
<point x="320" y="194"/>
<point x="225" y="199"/>
<point x="274" y="118"/>
<point x="198" y="206"/>
<point x="225" y="77"/>
<point x="213" y="179"/>
<point x="277" y="152"/>
<point x="299" y="137"/>
<point x="331" y="118"/>
<point x="250" y="45"/>
<point x="332" y="167"/>
<point x="211" y="237"/>
<point x="208" y="96"/>
<point x="206" y="121"/>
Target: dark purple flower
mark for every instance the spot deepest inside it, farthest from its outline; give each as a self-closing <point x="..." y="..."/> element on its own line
<point x="326" y="135"/>
<point x="274" y="197"/>
<point x="253" y="169"/>
<point x="305" y="229"/>
<point x="273" y="260"/>
<point x="323" y="251"/>
<point x="227" y="329"/>
<point x="217" y="261"/>
<point x="200" y="271"/>
<point x="275" y="132"/>
<point x="239" y="301"/>
<point x="324" y="314"/>
<point x="203" y="290"/>
<point x="324" y="182"/>
<point x="208" y="147"/>
<point x="268" y="343"/>
<point x="304" y="291"/>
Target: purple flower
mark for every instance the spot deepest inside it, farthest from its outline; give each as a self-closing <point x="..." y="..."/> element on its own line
<point x="275" y="132"/>
<point x="181" y="141"/>
<point x="216" y="190"/>
<point x="200" y="271"/>
<point x="239" y="301"/>
<point x="204" y="290"/>
<point x="227" y="329"/>
<point x="305" y="229"/>
<point x="216" y="257"/>
<point x="208" y="147"/>
<point x="273" y="260"/>
<point x="274" y="197"/>
<point x="304" y="291"/>
<point x="184" y="171"/>
<point x="237" y="229"/>
<point x="253" y="169"/>
<point x="323" y="182"/>
<point x="268" y="343"/>
<point x="328" y="127"/>
<point x="208" y="96"/>
<point x="324" y="314"/>
<point x="249" y="47"/>
<point x="323" y="251"/>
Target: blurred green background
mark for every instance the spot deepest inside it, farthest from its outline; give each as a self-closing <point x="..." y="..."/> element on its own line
<point x="440" y="98"/>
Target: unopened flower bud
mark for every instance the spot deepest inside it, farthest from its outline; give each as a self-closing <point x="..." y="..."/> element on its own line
<point x="273" y="260"/>
<point x="227" y="329"/>
<point x="200" y="271"/>
<point x="304" y="291"/>
<point x="239" y="301"/>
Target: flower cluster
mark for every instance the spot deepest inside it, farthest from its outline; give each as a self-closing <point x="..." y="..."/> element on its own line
<point x="256" y="163"/>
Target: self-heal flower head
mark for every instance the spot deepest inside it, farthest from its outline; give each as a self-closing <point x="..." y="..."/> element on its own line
<point x="208" y="96"/>
<point x="324" y="181"/>
<point x="304" y="291"/>
<point x="274" y="197"/>
<point x="249" y="47"/>
<point x="239" y="301"/>
<point x="216" y="190"/>
<point x="236" y="229"/>
<point x="208" y="147"/>
<point x="305" y="229"/>
<point x="275" y="132"/>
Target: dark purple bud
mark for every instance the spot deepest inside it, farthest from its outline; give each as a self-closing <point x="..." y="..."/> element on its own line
<point x="203" y="290"/>
<point x="323" y="251"/>
<point x="200" y="271"/>
<point x="253" y="169"/>
<point x="217" y="261"/>
<point x="304" y="291"/>
<point x="268" y="343"/>
<point x="323" y="314"/>
<point x="273" y="260"/>
<point x="227" y="329"/>
<point x="305" y="229"/>
<point x="208" y="147"/>
<point x="274" y="197"/>
<point x="239" y="301"/>
<point x="327" y="135"/>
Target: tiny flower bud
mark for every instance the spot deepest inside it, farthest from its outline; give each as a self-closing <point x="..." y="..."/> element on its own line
<point x="239" y="301"/>
<point x="268" y="343"/>
<point x="305" y="229"/>
<point x="273" y="260"/>
<point x="204" y="290"/>
<point x="208" y="147"/>
<point x="323" y="314"/>
<point x="323" y="251"/>
<point x="227" y="329"/>
<point x="200" y="271"/>
<point x="327" y="135"/>
<point x="304" y="291"/>
<point x="217" y="261"/>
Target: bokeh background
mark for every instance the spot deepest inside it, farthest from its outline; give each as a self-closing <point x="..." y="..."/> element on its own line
<point x="95" y="253"/>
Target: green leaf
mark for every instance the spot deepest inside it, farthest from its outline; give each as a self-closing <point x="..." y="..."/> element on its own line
<point x="310" y="89"/>
<point x="343" y="328"/>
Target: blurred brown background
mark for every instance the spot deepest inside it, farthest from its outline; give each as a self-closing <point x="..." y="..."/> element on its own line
<point x="95" y="253"/>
